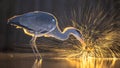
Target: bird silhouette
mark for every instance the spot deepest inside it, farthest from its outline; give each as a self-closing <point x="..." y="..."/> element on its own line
<point x="39" y="23"/>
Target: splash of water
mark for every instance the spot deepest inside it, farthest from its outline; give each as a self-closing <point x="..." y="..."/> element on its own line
<point x="96" y="21"/>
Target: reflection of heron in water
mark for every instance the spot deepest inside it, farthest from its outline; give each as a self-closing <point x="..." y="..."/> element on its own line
<point x="38" y="23"/>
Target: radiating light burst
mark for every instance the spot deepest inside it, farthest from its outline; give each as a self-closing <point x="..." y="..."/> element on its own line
<point x="104" y="47"/>
<point x="96" y="21"/>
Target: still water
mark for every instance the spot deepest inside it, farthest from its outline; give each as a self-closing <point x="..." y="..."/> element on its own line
<point x="17" y="60"/>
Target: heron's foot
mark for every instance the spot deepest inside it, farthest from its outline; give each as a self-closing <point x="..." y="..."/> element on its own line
<point x="37" y="63"/>
<point x="38" y="57"/>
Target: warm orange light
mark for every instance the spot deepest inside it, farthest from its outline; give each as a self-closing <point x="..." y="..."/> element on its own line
<point x="92" y="62"/>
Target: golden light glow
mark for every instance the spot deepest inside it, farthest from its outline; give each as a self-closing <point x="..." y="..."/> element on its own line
<point x="101" y="50"/>
<point x="92" y="62"/>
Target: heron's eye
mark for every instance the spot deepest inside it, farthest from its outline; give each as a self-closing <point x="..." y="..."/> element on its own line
<point x="53" y="20"/>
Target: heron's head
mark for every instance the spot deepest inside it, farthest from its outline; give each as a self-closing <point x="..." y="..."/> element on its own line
<point x="37" y="21"/>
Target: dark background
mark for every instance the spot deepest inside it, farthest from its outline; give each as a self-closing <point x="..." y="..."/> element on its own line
<point x="8" y="8"/>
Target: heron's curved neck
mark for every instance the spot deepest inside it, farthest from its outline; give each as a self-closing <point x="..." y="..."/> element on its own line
<point x="66" y="33"/>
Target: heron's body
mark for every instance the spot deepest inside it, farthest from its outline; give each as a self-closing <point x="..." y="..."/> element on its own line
<point x="41" y="24"/>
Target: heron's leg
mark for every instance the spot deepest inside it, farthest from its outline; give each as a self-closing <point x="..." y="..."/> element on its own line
<point x="34" y="48"/>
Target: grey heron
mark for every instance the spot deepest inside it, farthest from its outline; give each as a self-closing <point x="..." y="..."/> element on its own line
<point x="38" y="24"/>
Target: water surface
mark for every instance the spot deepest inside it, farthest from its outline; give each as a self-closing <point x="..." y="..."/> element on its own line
<point x="27" y="61"/>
